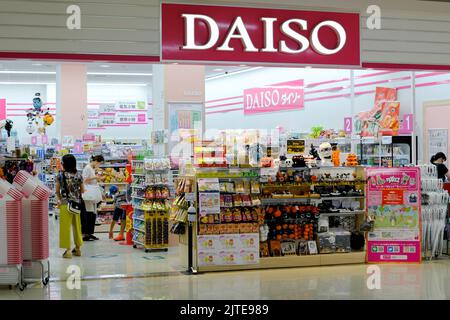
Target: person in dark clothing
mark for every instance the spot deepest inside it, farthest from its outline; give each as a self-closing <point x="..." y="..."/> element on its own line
<point x="438" y="160"/>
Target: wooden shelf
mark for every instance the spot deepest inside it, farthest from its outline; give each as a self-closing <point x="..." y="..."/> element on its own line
<point x="294" y="262"/>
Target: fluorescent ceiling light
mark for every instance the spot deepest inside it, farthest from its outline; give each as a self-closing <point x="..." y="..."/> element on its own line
<point x="232" y="73"/>
<point x="104" y="66"/>
<point x="89" y="73"/>
<point x="118" y="74"/>
<point x="118" y="84"/>
<point x="27" y="72"/>
<point x="218" y="69"/>
<point x="13" y="82"/>
<point x="242" y="65"/>
<point x="89" y="84"/>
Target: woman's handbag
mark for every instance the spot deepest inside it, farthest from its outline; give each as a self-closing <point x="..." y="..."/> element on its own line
<point x="73" y="206"/>
<point x="92" y="193"/>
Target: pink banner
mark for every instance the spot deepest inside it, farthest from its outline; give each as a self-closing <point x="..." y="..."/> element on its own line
<point x="394" y="204"/>
<point x="44" y="139"/>
<point x="33" y="140"/>
<point x="2" y="109"/>
<point x="273" y="99"/>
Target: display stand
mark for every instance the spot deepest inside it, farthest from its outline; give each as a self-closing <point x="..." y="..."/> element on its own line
<point x="257" y="227"/>
<point x="434" y="212"/>
<point x="35" y="226"/>
<point x="114" y="171"/>
<point x="150" y="193"/>
<point x="11" y="256"/>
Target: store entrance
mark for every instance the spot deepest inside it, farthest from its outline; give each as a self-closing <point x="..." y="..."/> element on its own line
<point x="272" y="156"/>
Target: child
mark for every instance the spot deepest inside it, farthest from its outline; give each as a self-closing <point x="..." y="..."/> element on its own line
<point x="120" y="198"/>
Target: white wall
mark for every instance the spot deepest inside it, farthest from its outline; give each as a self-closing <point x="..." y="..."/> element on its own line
<point x="328" y="113"/>
<point x="112" y="93"/>
<point x="20" y="97"/>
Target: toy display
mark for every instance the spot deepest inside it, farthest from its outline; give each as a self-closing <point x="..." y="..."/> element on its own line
<point x="38" y="119"/>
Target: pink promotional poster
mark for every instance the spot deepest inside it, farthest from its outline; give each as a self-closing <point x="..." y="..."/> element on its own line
<point x="394" y="203"/>
<point x="273" y="99"/>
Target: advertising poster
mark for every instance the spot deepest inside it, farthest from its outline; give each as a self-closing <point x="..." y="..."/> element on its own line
<point x="394" y="203"/>
<point x="228" y="249"/>
<point x="383" y="117"/>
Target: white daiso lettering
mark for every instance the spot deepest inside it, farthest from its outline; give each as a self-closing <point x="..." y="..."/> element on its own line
<point x="340" y="33"/>
<point x="249" y="101"/>
<point x="275" y="98"/>
<point x="239" y="31"/>
<point x="268" y="34"/>
<point x="288" y="31"/>
<point x="239" y="26"/>
<point x="189" y="24"/>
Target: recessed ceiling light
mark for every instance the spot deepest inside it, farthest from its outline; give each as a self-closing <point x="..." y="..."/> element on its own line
<point x="242" y="65"/>
<point x="218" y="69"/>
<point x="175" y="63"/>
<point x="104" y="66"/>
<point x="308" y="67"/>
<point x="36" y="64"/>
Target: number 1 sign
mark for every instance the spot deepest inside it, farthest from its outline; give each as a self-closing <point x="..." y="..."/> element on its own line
<point x="407" y="125"/>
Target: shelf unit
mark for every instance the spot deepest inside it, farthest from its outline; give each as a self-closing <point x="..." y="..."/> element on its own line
<point x="355" y="183"/>
<point x="150" y="226"/>
<point x="104" y="215"/>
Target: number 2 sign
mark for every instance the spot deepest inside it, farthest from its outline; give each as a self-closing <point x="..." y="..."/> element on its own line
<point x="348" y="125"/>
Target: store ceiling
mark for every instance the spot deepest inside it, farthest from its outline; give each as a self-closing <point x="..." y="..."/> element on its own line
<point x="31" y="71"/>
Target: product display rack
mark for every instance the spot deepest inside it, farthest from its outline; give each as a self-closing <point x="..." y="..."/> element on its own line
<point x="434" y="213"/>
<point x="340" y="201"/>
<point x="114" y="171"/>
<point x="150" y="197"/>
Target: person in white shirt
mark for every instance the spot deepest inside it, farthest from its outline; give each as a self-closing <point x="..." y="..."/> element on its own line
<point x="89" y="215"/>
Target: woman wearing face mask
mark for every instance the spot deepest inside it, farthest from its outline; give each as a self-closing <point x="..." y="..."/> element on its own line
<point x="438" y="160"/>
<point x="89" y="215"/>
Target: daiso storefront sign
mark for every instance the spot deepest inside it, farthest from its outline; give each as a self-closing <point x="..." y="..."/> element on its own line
<point x="273" y="99"/>
<point x="269" y="36"/>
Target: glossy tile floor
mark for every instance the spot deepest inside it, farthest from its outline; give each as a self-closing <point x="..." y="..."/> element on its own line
<point x="113" y="271"/>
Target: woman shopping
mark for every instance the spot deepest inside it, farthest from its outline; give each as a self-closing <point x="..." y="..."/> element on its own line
<point x="89" y="215"/>
<point x="69" y="188"/>
<point x="438" y="160"/>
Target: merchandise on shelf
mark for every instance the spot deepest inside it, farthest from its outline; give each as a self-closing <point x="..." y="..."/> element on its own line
<point x="434" y="212"/>
<point x="150" y="194"/>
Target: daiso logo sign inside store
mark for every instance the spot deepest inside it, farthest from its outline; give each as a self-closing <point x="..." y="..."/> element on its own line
<point x="269" y="36"/>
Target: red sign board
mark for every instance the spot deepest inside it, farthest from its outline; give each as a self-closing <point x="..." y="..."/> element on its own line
<point x="272" y="99"/>
<point x="237" y="34"/>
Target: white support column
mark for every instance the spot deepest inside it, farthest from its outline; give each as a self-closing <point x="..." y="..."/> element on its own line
<point x="71" y="100"/>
